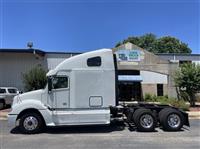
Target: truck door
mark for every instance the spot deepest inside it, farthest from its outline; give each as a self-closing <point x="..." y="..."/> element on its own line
<point x="60" y="92"/>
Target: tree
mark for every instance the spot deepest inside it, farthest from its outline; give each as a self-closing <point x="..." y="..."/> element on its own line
<point x="133" y="40"/>
<point x="147" y="42"/>
<point x="153" y="44"/>
<point x="169" y="44"/>
<point x="34" y="79"/>
<point x="187" y="80"/>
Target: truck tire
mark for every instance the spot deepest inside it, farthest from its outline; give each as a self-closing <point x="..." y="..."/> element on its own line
<point x="144" y="120"/>
<point x="31" y="123"/>
<point x="171" y="119"/>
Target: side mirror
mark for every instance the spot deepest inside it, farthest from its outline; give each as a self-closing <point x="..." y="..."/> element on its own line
<point x="49" y="84"/>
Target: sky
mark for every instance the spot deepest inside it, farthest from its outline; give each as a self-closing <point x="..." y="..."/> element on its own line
<point x="85" y="25"/>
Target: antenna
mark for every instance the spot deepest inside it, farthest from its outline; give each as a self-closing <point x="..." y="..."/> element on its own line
<point x="30" y="45"/>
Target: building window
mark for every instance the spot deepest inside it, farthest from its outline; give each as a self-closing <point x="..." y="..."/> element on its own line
<point x="60" y="82"/>
<point x="94" y="61"/>
<point x="159" y="89"/>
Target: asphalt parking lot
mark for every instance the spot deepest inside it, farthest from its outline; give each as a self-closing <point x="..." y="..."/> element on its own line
<point x="89" y="137"/>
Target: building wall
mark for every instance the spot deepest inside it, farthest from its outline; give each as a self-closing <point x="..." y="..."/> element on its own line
<point x="149" y="77"/>
<point x="54" y="59"/>
<point x="152" y="89"/>
<point x="196" y="62"/>
<point x="149" y="89"/>
<point x="150" y="81"/>
<point x="180" y="57"/>
<point x="13" y="65"/>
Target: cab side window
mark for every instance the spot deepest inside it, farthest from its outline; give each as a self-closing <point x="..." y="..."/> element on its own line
<point x="60" y="82"/>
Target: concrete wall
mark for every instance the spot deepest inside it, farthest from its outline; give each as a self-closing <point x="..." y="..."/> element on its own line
<point x="149" y="77"/>
<point x="54" y="59"/>
<point x="152" y="89"/>
<point x="149" y="89"/>
<point x="13" y="65"/>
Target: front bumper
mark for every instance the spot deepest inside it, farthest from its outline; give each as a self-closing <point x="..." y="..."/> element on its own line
<point x="12" y="120"/>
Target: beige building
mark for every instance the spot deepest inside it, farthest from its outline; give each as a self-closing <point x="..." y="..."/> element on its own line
<point x="143" y="73"/>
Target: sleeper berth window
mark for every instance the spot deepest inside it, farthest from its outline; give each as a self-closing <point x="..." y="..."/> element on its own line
<point x="94" y="61"/>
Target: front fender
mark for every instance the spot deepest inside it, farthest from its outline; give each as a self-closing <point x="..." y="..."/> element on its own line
<point x="27" y="104"/>
<point x="17" y="108"/>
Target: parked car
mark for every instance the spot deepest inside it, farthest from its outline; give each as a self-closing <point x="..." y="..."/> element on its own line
<point x="6" y="95"/>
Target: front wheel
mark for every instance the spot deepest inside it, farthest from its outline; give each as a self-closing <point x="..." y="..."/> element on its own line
<point x="31" y="123"/>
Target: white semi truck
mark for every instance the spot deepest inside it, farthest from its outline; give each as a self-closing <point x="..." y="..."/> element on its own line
<point x="82" y="90"/>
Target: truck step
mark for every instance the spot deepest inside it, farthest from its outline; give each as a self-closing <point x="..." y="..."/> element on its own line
<point x="118" y="119"/>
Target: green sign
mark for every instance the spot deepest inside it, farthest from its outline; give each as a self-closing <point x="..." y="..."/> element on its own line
<point x="128" y="55"/>
<point x="134" y="55"/>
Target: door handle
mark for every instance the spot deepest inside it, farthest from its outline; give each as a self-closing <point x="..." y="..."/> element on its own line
<point x="64" y="103"/>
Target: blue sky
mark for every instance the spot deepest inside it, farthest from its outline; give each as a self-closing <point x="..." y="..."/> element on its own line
<point x="84" y="25"/>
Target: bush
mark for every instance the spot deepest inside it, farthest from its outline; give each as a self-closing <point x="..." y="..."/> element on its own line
<point x="165" y="100"/>
<point x="150" y="98"/>
<point x="34" y="79"/>
<point x="187" y="81"/>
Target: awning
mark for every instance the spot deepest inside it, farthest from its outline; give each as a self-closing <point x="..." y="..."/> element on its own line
<point x="132" y="78"/>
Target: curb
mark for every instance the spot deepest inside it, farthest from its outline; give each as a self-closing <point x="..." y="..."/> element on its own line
<point x="194" y="115"/>
<point x="3" y="115"/>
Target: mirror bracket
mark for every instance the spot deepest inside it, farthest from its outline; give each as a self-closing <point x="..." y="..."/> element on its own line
<point x="49" y="84"/>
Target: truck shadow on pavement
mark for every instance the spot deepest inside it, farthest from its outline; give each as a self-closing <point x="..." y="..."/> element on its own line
<point x="76" y="129"/>
<point x="83" y="129"/>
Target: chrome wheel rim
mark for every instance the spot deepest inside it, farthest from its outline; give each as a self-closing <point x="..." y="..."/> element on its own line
<point x="30" y="123"/>
<point x="146" y="121"/>
<point x="174" y="120"/>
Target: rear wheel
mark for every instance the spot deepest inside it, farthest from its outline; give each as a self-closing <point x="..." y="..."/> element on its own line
<point x="144" y="120"/>
<point x="31" y="123"/>
<point x="171" y="119"/>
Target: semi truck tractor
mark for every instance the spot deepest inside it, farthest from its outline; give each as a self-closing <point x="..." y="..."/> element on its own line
<point x="83" y="90"/>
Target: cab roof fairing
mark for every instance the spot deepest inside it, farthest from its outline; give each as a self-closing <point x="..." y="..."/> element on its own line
<point x="79" y="61"/>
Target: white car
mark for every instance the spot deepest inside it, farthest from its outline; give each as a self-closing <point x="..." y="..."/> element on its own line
<point x="6" y="95"/>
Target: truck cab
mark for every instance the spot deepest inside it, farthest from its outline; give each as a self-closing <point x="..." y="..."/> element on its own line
<point x="80" y="91"/>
